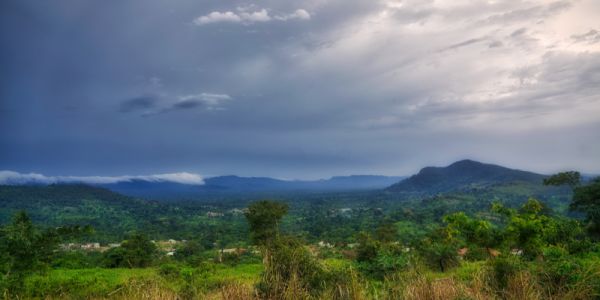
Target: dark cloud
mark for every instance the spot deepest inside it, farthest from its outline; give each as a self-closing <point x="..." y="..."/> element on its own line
<point x="142" y="103"/>
<point x="465" y="43"/>
<point x="591" y="37"/>
<point x="360" y="86"/>
<point x="187" y="104"/>
<point x="495" y="44"/>
<point x="518" y="32"/>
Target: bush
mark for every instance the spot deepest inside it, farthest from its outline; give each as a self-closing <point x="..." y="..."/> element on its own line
<point x="559" y="272"/>
<point x="290" y="269"/>
<point x="388" y="260"/>
<point x="136" y="252"/>
<point x="503" y="268"/>
<point x="77" y="260"/>
<point x="168" y="270"/>
<point x="190" y="252"/>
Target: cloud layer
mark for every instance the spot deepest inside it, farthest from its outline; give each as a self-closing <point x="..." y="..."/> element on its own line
<point x="10" y="177"/>
<point x="298" y="89"/>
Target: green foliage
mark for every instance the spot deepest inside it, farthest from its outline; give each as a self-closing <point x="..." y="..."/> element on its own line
<point x="472" y="232"/>
<point x="168" y="270"/>
<point x="367" y="248"/>
<point x="503" y="268"/>
<point x="264" y="218"/>
<point x="289" y="267"/>
<point x="587" y="199"/>
<point x="570" y="178"/>
<point x="386" y="232"/>
<point x="527" y="229"/>
<point x="191" y="252"/>
<point x="136" y="252"/>
<point x="25" y="249"/>
<point x="76" y="260"/>
<point x="81" y="284"/>
<point x="389" y="259"/>
<point x="397" y="237"/>
<point x="410" y="232"/>
<point x="439" y="255"/>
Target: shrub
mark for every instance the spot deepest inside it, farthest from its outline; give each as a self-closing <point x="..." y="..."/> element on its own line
<point x="388" y="260"/>
<point x="504" y="267"/>
<point x="136" y="252"/>
<point x="290" y="269"/>
<point x="168" y="270"/>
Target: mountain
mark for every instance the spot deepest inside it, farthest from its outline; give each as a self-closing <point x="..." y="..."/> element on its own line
<point x="237" y="184"/>
<point x="247" y="184"/>
<point x="463" y="175"/>
<point x="155" y="189"/>
<point x="352" y="182"/>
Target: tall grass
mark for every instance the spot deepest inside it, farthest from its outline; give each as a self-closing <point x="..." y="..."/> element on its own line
<point x="291" y="280"/>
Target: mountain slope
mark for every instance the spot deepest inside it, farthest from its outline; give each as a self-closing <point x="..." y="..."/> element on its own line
<point x="75" y="204"/>
<point x="462" y="175"/>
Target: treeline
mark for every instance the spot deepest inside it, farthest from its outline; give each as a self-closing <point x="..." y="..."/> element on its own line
<point x="523" y="252"/>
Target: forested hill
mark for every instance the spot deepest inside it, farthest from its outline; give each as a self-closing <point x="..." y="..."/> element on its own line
<point x="76" y="204"/>
<point x="463" y="175"/>
<point x="58" y="194"/>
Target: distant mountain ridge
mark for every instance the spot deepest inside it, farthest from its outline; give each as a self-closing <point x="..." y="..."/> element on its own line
<point x="237" y="184"/>
<point x="461" y="175"/>
<point x="464" y="174"/>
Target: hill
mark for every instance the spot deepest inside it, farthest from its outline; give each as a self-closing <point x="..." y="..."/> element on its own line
<point x="109" y="213"/>
<point x="463" y="175"/>
<point x="223" y="185"/>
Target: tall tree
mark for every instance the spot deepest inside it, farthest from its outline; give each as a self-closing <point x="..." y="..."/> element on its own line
<point x="263" y="218"/>
<point x="586" y="197"/>
<point x="24" y="249"/>
<point x="140" y="250"/>
<point x="570" y="178"/>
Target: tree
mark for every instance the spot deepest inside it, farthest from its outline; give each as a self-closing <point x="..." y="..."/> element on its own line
<point x="367" y="247"/>
<point x="136" y="252"/>
<point x="439" y="250"/>
<point x="586" y="199"/>
<point x="528" y="228"/>
<point x="570" y="178"/>
<point x="24" y="249"/>
<point x="263" y="218"/>
<point x="474" y="233"/>
<point x="386" y="232"/>
<point x="139" y="250"/>
<point x="21" y="250"/>
<point x="189" y="250"/>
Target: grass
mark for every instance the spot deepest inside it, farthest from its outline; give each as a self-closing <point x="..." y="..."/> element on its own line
<point x="84" y="282"/>
<point x="220" y="281"/>
<point x="243" y="273"/>
<point x="101" y="283"/>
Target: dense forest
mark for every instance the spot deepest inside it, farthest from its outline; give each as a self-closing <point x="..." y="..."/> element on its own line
<point x="496" y="235"/>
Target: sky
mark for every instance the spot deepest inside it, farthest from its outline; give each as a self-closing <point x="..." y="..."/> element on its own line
<point x="297" y="89"/>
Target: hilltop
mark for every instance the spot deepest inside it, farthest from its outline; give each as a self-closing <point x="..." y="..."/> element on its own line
<point x="463" y="175"/>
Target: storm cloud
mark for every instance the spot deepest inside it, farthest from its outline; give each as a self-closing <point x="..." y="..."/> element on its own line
<point x="301" y="89"/>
